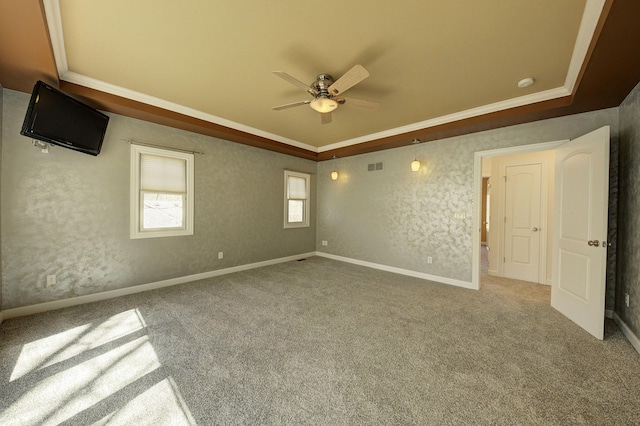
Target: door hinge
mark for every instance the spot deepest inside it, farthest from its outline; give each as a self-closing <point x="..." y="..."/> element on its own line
<point x="504" y="260"/>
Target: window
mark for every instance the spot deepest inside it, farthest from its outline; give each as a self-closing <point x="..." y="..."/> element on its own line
<point x="296" y="199"/>
<point x="161" y="192"/>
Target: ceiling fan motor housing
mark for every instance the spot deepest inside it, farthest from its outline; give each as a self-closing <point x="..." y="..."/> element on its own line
<point x="321" y="85"/>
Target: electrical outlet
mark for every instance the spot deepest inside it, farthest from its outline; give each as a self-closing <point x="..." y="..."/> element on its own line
<point x="626" y="299"/>
<point x="325" y="243"/>
<point x="51" y="280"/>
<point x="429" y="259"/>
<point x="220" y="255"/>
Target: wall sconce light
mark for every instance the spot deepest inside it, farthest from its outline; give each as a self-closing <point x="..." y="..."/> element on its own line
<point x="334" y="174"/>
<point x="415" y="164"/>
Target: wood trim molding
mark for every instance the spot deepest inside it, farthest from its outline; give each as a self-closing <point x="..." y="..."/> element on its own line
<point x="503" y="118"/>
<point x="609" y="72"/>
<point x="135" y="109"/>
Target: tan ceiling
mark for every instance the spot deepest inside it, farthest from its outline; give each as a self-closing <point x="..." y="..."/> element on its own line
<point x="399" y="46"/>
<point x="214" y="60"/>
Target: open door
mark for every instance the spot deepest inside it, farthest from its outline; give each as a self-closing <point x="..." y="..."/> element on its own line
<point x="580" y="231"/>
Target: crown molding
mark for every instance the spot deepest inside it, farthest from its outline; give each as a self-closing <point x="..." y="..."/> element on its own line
<point x="591" y="16"/>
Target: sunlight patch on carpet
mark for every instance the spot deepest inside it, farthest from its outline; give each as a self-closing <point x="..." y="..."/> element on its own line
<point x="68" y="344"/>
<point x="63" y="395"/>
<point x="160" y="404"/>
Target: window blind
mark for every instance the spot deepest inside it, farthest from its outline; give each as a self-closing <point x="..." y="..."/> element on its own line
<point x="162" y="174"/>
<point x="297" y="187"/>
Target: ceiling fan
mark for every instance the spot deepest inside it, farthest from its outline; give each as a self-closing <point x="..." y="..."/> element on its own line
<point x="327" y="93"/>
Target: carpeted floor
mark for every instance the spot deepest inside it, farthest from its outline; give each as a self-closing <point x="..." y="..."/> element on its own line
<point x="316" y="342"/>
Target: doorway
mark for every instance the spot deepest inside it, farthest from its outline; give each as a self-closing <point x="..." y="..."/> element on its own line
<point x="520" y="217"/>
<point x="477" y="219"/>
<point x="581" y="188"/>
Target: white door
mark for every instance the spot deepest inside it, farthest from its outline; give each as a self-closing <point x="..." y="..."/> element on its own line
<point x="580" y="231"/>
<point x="522" y="222"/>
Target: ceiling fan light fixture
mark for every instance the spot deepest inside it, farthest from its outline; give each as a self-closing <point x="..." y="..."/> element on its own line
<point x="323" y="105"/>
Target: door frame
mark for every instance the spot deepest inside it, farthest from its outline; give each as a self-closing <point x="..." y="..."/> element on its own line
<point x="477" y="194"/>
<point x="484" y="216"/>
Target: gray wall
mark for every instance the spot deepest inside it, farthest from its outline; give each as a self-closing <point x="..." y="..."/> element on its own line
<point x="397" y="217"/>
<point x="628" y="280"/>
<point x="67" y="213"/>
<point x="1" y="126"/>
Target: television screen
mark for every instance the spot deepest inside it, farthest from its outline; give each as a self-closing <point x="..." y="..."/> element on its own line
<point x="57" y="118"/>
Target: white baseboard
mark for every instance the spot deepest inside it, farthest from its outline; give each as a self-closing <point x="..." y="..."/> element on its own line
<point x="79" y="300"/>
<point x="424" y="276"/>
<point x="632" y="338"/>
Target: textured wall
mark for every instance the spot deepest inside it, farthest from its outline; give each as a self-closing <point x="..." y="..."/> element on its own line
<point x="612" y="232"/>
<point x="628" y="279"/>
<point x="67" y="213"/>
<point x="396" y="217"/>
<point x="1" y="115"/>
<point x="393" y="217"/>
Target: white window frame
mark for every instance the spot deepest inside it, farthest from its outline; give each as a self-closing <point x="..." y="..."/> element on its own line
<point x="307" y="200"/>
<point x="136" y="199"/>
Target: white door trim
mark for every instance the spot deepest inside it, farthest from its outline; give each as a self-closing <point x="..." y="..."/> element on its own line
<point x="477" y="194"/>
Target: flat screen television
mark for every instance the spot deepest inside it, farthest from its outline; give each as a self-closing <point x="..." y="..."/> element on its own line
<point x="55" y="117"/>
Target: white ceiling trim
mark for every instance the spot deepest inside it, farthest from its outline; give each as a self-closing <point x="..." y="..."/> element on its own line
<point x="102" y="86"/>
<point x="457" y="116"/>
<point x="54" y="22"/>
<point x="590" y="17"/>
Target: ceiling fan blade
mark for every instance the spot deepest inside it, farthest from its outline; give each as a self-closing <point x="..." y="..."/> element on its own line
<point x="358" y="104"/>
<point x="307" y="88"/>
<point x="325" y="118"/>
<point x="291" y="105"/>
<point x="352" y="77"/>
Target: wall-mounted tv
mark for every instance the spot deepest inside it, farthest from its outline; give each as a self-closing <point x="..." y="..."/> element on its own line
<point x="57" y="118"/>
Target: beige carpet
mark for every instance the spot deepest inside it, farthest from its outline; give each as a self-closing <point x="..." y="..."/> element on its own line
<point x="316" y="342"/>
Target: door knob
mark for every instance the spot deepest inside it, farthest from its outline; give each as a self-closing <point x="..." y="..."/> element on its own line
<point x="534" y="229"/>
<point x="594" y="243"/>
